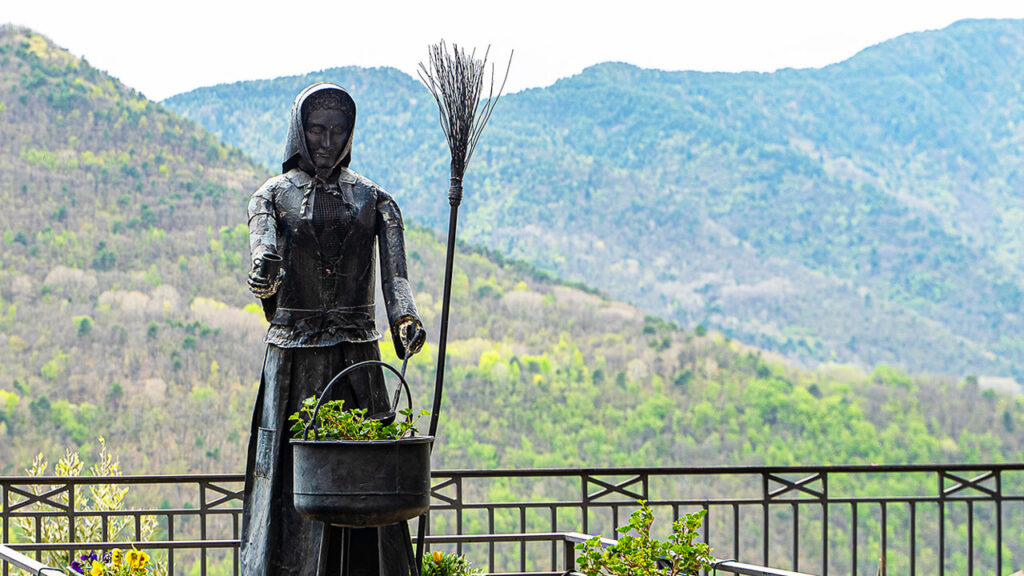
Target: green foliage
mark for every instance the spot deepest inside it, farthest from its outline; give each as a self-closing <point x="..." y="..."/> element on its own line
<point x="98" y="498"/>
<point x="105" y="257"/>
<point x="637" y="554"/>
<point x="333" y="422"/>
<point x="8" y="407"/>
<point x="83" y="325"/>
<point x="439" y="563"/>
<point x="56" y="367"/>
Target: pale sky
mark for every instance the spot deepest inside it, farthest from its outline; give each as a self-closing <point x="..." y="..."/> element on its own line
<point x="163" y="48"/>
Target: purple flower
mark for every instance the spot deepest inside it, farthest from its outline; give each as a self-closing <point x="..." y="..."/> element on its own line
<point x="106" y="557"/>
<point x="93" y="556"/>
<point x="77" y="567"/>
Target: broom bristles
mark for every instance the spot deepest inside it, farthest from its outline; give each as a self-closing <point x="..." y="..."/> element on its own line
<point x="455" y="79"/>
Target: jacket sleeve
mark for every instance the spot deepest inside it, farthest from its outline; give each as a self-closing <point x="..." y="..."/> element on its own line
<point x="263" y="235"/>
<point x="394" y="278"/>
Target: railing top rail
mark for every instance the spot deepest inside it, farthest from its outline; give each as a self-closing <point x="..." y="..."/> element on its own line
<point x="25" y="563"/>
<point x="549" y="472"/>
<point x="711" y="470"/>
<point x="137" y="479"/>
<point x="751" y="570"/>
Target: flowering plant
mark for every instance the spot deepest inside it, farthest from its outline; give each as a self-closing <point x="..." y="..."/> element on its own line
<point x="116" y="562"/>
<point x="438" y="563"/>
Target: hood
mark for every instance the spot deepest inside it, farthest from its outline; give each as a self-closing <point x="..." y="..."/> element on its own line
<point x="295" y="144"/>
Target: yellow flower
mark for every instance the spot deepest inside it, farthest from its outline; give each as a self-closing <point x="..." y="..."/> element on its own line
<point x="143" y="559"/>
<point x="116" y="556"/>
<point x="97" y="568"/>
<point x="437" y="555"/>
<point x="131" y="558"/>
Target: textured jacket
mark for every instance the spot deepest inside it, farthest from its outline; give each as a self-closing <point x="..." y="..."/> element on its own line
<point x="321" y="301"/>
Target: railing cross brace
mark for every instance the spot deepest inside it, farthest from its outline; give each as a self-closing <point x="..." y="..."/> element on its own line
<point x="800" y="485"/>
<point x="614" y="488"/>
<point x="963" y="483"/>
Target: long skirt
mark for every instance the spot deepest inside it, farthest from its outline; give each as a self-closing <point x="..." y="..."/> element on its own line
<point x="276" y="540"/>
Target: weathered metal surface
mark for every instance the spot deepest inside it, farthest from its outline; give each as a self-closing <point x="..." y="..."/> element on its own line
<point x="327" y="225"/>
<point x="357" y="484"/>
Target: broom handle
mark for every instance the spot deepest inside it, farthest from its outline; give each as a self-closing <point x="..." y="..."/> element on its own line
<point x="454" y="199"/>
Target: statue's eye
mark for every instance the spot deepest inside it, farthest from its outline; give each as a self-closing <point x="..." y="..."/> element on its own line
<point x="316" y="130"/>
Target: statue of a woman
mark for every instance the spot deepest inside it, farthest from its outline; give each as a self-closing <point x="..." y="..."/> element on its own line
<point x="323" y="221"/>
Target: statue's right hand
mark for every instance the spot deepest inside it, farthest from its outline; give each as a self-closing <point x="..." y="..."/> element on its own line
<point x="263" y="287"/>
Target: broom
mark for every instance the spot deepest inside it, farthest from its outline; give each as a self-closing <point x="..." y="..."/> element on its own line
<point x="455" y="79"/>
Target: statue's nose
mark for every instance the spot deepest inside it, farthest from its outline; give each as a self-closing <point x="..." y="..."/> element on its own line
<point x="327" y="139"/>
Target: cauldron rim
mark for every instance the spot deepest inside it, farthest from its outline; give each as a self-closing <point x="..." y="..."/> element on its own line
<point x="406" y="440"/>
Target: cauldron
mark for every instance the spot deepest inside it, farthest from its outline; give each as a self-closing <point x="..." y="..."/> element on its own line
<point x="362" y="483"/>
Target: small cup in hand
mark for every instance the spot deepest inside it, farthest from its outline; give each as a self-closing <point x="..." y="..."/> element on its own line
<point x="266" y="276"/>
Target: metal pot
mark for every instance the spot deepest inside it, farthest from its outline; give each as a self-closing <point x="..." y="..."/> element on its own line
<point x="362" y="483"/>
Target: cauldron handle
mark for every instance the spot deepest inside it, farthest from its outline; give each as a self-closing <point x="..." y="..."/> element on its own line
<point x="352" y="368"/>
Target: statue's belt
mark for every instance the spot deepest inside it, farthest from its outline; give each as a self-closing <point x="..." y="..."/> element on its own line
<point x="355" y="318"/>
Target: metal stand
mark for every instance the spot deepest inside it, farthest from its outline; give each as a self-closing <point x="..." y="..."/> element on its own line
<point x="336" y="552"/>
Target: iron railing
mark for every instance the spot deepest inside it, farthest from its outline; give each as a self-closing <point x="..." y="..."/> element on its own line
<point x="566" y="541"/>
<point x="920" y="519"/>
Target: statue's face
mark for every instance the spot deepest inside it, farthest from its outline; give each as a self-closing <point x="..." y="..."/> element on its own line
<point x="326" y="134"/>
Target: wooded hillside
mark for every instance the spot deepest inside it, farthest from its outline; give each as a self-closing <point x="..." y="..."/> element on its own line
<point x="864" y="212"/>
<point x="124" y="314"/>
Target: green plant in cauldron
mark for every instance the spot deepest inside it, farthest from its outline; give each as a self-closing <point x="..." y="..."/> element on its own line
<point x="333" y="422"/>
<point x="439" y="563"/>
<point x="637" y="554"/>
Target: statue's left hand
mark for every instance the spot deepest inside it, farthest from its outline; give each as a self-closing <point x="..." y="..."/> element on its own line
<point x="412" y="334"/>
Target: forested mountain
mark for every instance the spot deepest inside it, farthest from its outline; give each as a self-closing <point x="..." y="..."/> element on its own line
<point x="865" y="212"/>
<point x="124" y="314"/>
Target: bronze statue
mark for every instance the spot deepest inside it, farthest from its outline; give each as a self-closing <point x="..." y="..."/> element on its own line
<point x="318" y="223"/>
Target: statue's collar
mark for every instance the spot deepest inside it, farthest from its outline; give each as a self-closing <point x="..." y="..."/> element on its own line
<point x="342" y="188"/>
<point x="302" y="180"/>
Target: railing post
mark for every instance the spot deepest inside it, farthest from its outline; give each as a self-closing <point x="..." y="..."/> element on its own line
<point x="853" y="535"/>
<point x="458" y="511"/>
<point x="970" y="538"/>
<point x="884" y="558"/>
<point x="570" y="555"/>
<point x="913" y="538"/>
<point x="585" y="503"/>
<point x="490" y="546"/>
<point x="824" y="523"/>
<point x="72" y="536"/>
<point x="5" y="517"/>
<point x="767" y="523"/>
<point x="796" y="536"/>
<point x="202" y="527"/>
<point x="735" y="530"/>
<point x="170" y="551"/>
<point x="942" y="525"/>
<point x="999" y="522"/>
<point x="554" y="545"/>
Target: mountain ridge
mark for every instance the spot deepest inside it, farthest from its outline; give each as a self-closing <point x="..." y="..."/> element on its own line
<point x="833" y="184"/>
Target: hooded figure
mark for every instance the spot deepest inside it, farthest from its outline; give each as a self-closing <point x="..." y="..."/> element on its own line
<point x="324" y="222"/>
